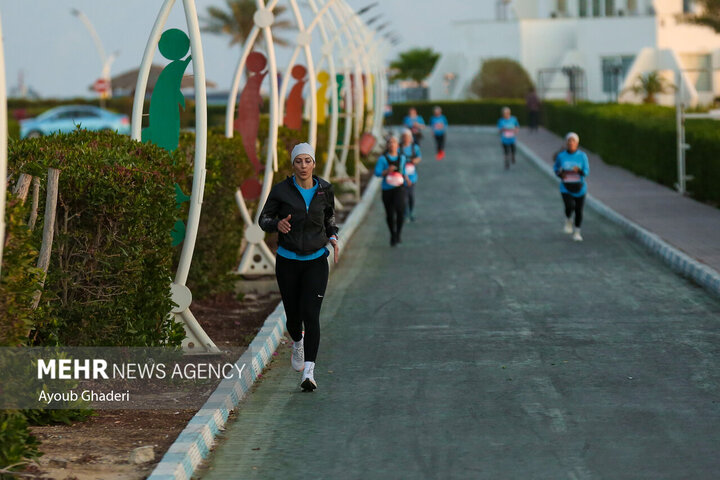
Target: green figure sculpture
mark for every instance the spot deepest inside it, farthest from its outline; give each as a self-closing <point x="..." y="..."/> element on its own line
<point x="164" y="122"/>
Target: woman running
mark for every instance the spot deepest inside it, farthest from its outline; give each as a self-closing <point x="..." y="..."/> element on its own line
<point x="572" y="166"/>
<point x="439" y="125"/>
<point x="391" y="167"/>
<point x="415" y="123"/>
<point x="413" y="155"/>
<point x="302" y="209"/>
<point x="508" y="128"/>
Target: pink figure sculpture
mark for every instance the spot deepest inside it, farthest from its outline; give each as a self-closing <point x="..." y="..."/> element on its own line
<point x="294" y="104"/>
<point x="248" y="112"/>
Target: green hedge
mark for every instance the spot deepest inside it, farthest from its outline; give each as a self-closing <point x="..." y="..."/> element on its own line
<point x="467" y="112"/>
<point x="642" y="139"/>
<point x="111" y="260"/>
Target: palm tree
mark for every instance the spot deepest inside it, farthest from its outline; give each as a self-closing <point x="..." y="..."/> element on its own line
<point x="649" y="85"/>
<point x="237" y="21"/>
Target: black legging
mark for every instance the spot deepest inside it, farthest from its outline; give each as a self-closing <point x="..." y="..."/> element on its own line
<point x="574" y="203"/>
<point x="394" y="201"/>
<point x="302" y="288"/>
<point x="440" y="141"/>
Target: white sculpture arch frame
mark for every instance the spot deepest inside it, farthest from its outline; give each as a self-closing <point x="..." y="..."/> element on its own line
<point x="196" y="339"/>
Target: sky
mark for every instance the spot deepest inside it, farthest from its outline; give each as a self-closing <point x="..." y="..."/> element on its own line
<point x="58" y="58"/>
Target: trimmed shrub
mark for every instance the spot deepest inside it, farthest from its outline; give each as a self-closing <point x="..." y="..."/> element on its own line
<point x="501" y="78"/>
<point x="110" y="270"/>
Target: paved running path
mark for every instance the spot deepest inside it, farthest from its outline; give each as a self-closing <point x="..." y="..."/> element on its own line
<point x="684" y="223"/>
<point x="488" y="345"/>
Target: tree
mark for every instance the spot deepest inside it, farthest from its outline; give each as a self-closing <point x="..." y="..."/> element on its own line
<point x="649" y="85"/>
<point x="501" y="78"/>
<point x="237" y="22"/>
<point x="709" y="14"/>
<point x="415" y="64"/>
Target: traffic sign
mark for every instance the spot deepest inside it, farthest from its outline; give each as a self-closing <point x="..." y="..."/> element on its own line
<point x="101" y="85"/>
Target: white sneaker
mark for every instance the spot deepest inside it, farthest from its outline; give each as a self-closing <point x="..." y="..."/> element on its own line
<point x="576" y="236"/>
<point x="298" y="356"/>
<point x="308" y="383"/>
<point x="568" y="226"/>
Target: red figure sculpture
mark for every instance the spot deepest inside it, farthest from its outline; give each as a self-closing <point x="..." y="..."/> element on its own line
<point x="248" y="112"/>
<point x="294" y="104"/>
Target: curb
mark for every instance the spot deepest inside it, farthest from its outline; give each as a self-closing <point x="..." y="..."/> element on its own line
<point x="678" y="261"/>
<point x="193" y="444"/>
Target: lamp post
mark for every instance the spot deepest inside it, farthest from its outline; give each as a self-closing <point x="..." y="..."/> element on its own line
<point x="104" y="59"/>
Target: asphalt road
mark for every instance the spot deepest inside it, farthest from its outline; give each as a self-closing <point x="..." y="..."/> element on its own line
<point x="488" y="345"/>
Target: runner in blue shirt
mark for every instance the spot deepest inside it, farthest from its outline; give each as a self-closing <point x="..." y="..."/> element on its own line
<point x="572" y="166"/>
<point x="415" y="123"/>
<point x="508" y="127"/>
<point x="391" y="167"/>
<point x="439" y="124"/>
<point x="413" y="155"/>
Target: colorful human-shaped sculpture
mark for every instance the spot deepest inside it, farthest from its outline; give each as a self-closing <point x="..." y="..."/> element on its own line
<point x="294" y="104"/>
<point x="248" y="113"/>
<point x="323" y="78"/>
<point x="164" y="120"/>
<point x="340" y="79"/>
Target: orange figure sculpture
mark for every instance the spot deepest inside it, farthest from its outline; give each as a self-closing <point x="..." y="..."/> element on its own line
<point x="248" y="112"/>
<point x="294" y="104"/>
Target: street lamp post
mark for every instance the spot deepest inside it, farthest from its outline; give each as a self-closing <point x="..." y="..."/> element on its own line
<point x="105" y="60"/>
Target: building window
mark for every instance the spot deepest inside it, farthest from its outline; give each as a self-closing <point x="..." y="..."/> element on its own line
<point x="609" y="8"/>
<point x="583" y="10"/>
<point x="562" y="7"/>
<point x="614" y="71"/>
<point x="632" y="6"/>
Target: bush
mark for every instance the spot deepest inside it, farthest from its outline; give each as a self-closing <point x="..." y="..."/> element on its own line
<point x="501" y="78"/>
<point x="110" y="270"/>
<point x="17" y="444"/>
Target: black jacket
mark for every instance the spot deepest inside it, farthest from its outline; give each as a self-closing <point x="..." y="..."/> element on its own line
<point x="311" y="228"/>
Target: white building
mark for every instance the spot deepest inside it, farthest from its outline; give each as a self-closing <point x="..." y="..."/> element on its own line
<point x="611" y="41"/>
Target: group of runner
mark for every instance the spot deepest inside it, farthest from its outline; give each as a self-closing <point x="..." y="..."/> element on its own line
<point x="302" y="210"/>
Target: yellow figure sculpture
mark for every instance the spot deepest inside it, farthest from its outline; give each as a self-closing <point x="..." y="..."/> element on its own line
<point x="323" y="79"/>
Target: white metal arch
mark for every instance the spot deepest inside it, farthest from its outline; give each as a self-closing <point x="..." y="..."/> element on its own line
<point x="196" y="338"/>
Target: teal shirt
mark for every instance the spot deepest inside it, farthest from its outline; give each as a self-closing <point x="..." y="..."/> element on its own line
<point x="307" y="194"/>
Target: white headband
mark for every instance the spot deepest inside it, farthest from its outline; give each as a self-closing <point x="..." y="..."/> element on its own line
<point x="302" y="148"/>
<point x="572" y="135"/>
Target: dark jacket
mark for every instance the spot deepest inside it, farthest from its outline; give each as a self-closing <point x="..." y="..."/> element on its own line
<point x="311" y="228"/>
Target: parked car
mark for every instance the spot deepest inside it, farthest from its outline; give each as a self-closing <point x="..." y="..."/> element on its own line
<point x="65" y="119"/>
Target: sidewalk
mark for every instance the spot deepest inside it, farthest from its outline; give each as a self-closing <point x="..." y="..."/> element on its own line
<point x="489" y="345"/>
<point x="686" y="224"/>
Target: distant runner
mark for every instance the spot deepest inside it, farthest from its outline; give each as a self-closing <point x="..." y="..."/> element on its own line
<point x="391" y="167"/>
<point x="508" y="128"/>
<point x="415" y="123"/>
<point x="413" y="156"/>
<point x="439" y="124"/>
<point x="572" y="166"/>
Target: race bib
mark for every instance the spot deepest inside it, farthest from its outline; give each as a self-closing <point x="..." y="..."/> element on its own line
<point x="394" y="179"/>
<point x="439" y="126"/>
<point x="410" y="169"/>
<point x="509" y="133"/>
<point x="571" y="177"/>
